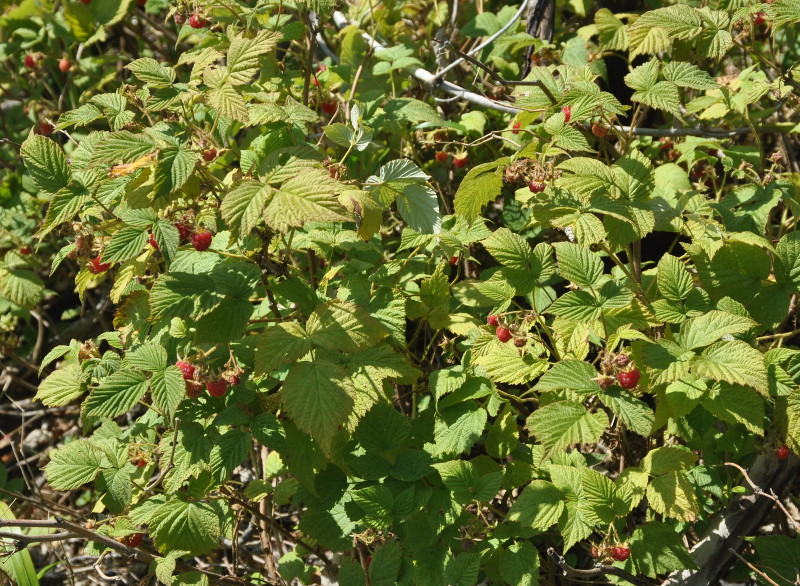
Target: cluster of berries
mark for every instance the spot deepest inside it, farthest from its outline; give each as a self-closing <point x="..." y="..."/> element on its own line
<point x="503" y="333"/>
<point x="216" y="387"/>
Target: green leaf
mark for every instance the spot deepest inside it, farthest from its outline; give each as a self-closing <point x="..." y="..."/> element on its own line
<point x="634" y="413"/>
<point x="123" y="146"/>
<point x="243" y="206"/>
<point x="63" y="207"/>
<point x="662" y="96"/>
<point x="341" y="325"/>
<point x="45" y="162"/>
<point x="386" y="562"/>
<point x="467" y="485"/>
<point x="685" y="74"/>
<point x="657" y="549"/>
<point x="73" y="465"/>
<point x="222" y="96"/>
<point x="462" y="570"/>
<point x="785" y="12"/>
<point x="114" y="107"/>
<point x="309" y="197"/>
<point x="667" y="459"/>
<point x="519" y="564"/>
<point x="706" y="329"/>
<point x="734" y="362"/>
<point x="578" y="264"/>
<point x="193" y="526"/>
<point x="481" y="185"/>
<point x="573" y="375"/>
<point x="787" y="265"/>
<point x="418" y="205"/>
<point x="383" y="430"/>
<point x="457" y="428"/>
<point x="168" y="389"/>
<point x="778" y="555"/>
<point x="377" y="503"/>
<point x="680" y="21"/>
<point x="509" y="249"/>
<point x="20" y="286"/>
<point x="673" y="495"/>
<point x="243" y="58"/>
<point x="125" y="244"/>
<point x="286" y="342"/>
<point x="737" y="404"/>
<point x="318" y="397"/>
<point x="152" y="72"/>
<point x="174" y="167"/>
<point x="61" y="387"/>
<point x="563" y="423"/>
<point x="539" y="506"/>
<point x="503" y="436"/>
<point x="674" y="281"/>
<point x="116" y="394"/>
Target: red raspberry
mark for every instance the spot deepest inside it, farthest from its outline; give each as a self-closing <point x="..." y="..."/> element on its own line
<point x="141" y="3"/>
<point x="515" y="128"/>
<point x="201" y="240"/>
<point x="135" y="539"/>
<point x="186" y="368"/>
<point x="86" y="1"/>
<point x="666" y="143"/>
<point x="25" y="250"/>
<point x="64" y="65"/>
<point x="620" y="553"/>
<point x="328" y="107"/>
<point x="314" y="80"/>
<point x="519" y="342"/>
<point x="454" y="260"/>
<point x="29" y="61"/>
<point x="217" y="388"/>
<point x="194" y="389"/>
<point x="460" y="160"/>
<point x="322" y="67"/>
<point x="782" y="452"/>
<point x="184" y="231"/>
<point x="141" y="463"/>
<point x="152" y="241"/>
<point x="599" y="131"/>
<point x="628" y="378"/>
<point x="492" y="320"/>
<point x="179" y="19"/>
<point x="96" y="267"/>
<point x="45" y="128"/>
<point x="536" y="186"/>
<point x="759" y="18"/>
<point x="197" y="21"/>
<point x="503" y="334"/>
<point x="442" y="157"/>
<point x="567" y="111"/>
<point x="209" y="154"/>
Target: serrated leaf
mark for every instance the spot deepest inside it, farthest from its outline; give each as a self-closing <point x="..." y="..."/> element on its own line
<point x="480" y="186"/>
<point x="116" y="394"/>
<point x="61" y="386"/>
<point x="341" y="325"/>
<point x="151" y="71"/>
<point x="573" y="375"/>
<point x="539" y="506"/>
<point x="283" y="343"/>
<point x="174" y="167"/>
<point x="243" y="58"/>
<point x="685" y="74"/>
<point x="20" y="286"/>
<point x="318" y="397"/>
<point x="168" y="390"/>
<point x="45" y="163"/>
<point x="785" y="12"/>
<point x="193" y="526"/>
<point x="125" y="244"/>
<point x="578" y="264"/>
<point x="73" y="465"/>
<point x="680" y="21"/>
<point x="708" y="328"/>
<point x="418" y="205"/>
<point x="309" y="197"/>
<point x="674" y="281"/>
<point x="457" y="428"/>
<point x="662" y="96"/>
<point x="509" y="249"/>
<point x="222" y="96"/>
<point x="737" y="404"/>
<point x="672" y="495"/>
<point x="560" y="424"/>
<point x="734" y="362"/>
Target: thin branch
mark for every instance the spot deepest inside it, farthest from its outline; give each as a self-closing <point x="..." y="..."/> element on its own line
<point x="484" y="44"/>
<point x="595" y="572"/>
<point x="149" y="488"/>
<point x="770" y="495"/>
<point x="752" y="567"/>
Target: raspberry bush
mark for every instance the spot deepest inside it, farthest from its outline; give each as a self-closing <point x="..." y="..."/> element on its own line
<point x="263" y="260"/>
